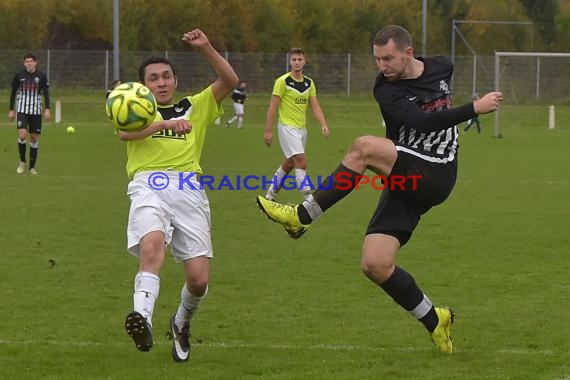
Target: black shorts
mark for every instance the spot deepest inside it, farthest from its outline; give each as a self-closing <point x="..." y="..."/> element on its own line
<point x="416" y="184"/>
<point x="33" y="123"/>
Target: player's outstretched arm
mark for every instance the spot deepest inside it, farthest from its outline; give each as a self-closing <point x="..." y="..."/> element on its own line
<point x="227" y="77"/>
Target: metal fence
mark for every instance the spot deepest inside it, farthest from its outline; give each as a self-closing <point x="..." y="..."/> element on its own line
<point x="334" y="73"/>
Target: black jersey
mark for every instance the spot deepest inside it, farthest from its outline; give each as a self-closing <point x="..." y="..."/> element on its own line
<point x="239" y="95"/>
<point x="27" y="89"/>
<point x="418" y="112"/>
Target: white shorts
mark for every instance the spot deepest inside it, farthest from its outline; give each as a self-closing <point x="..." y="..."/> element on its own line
<point x="182" y="215"/>
<point x="238" y="108"/>
<point x="292" y="139"/>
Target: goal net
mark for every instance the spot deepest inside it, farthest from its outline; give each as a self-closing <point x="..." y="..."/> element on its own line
<point x="532" y="78"/>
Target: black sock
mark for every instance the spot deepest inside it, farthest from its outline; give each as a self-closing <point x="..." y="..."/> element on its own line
<point x="403" y="289"/>
<point x="337" y="186"/>
<point x="430" y="320"/>
<point x="22" y="150"/>
<point x="33" y="157"/>
<point x="303" y="215"/>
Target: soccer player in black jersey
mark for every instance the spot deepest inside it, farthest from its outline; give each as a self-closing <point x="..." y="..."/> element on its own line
<point x="28" y="86"/>
<point x="421" y="141"/>
<point x="239" y="96"/>
<point x="475" y="120"/>
<point x="115" y="83"/>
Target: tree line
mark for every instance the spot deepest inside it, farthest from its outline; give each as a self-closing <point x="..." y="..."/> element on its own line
<point x="273" y="26"/>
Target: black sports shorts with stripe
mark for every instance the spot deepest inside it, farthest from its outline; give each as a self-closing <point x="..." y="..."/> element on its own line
<point x="400" y="207"/>
<point x="33" y="123"/>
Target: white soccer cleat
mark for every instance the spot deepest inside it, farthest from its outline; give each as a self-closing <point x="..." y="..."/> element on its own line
<point x="180" y="341"/>
<point x="21" y="168"/>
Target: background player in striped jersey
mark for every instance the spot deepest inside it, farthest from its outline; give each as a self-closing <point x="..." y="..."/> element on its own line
<point x="238" y="96"/>
<point x="421" y="140"/>
<point x="28" y="86"/>
<point x="293" y="92"/>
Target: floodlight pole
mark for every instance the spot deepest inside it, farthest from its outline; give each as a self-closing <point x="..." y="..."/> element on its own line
<point x="424" y="27"/>
<point x="115" y="40"/>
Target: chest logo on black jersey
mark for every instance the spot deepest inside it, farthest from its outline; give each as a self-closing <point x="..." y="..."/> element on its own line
<point x="444" y="87"/>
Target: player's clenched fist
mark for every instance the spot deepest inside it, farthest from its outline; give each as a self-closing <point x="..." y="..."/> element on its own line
<point x="488" y="103"/>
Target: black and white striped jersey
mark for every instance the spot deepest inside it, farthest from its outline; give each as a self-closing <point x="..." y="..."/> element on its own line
<point x="27" y="91"/>
<point x="418" y="112"/>
<point x="239" y="95"/>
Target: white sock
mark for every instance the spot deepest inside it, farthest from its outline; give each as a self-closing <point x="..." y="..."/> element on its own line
<point x="313" y="208"/>
<point x="422" y="309"/>
<point x="275" y="183"/>
<point x="147" y="286"/>
<point x="240" y="122"/>
<point x="188" y="305"/>
<point x="232" y="120"/>
<point x="301" y="178"/>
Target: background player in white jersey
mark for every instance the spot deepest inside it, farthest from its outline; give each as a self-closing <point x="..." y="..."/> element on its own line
<point x="28" y="86"/>
<point x="421" y="140"/>
<point x="168" y="150"/>
<point x="292" y="93"/>
<point x="239" y="96"/>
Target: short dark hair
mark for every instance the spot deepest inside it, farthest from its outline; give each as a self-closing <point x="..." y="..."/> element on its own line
<point x="399" y="35"/>
<point x="30" y="55"/>
<point x="296" y="50"/>
<point x="150" y="61"/>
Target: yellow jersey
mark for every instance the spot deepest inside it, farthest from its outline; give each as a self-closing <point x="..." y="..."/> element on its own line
<point x="294" y="101"/>
<point x="165" y="150"/>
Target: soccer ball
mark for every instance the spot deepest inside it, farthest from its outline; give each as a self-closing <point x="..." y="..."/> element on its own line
<point x="130" y="106"/>
<point x="70" y="130"/>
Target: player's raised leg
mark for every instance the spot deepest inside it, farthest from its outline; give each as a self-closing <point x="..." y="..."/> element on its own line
<point x="375" y="153"/>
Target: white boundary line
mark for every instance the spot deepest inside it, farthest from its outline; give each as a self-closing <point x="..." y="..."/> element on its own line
<point x="285" y="347"/>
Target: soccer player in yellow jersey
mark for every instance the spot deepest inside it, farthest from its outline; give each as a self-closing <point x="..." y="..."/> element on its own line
<point x="292" y="93"/>
<point x="168" y="208"/>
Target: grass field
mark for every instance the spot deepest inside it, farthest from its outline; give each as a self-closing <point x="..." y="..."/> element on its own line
<point x="497" y="251"/>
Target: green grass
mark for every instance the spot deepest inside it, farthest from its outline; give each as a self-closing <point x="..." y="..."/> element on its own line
<point x="497" y="251"/>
